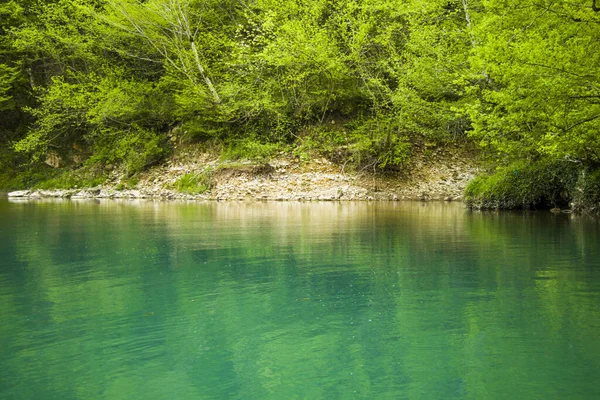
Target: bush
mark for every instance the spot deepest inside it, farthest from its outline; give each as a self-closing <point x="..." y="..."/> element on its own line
<point x="371" y="142"/>
<point x="251" y="149"/>
<point x="17" y="180"/>
<point x="379" y="141"/>
<point x="41" y="176"/>
<point x="135" y="149"/>
<point x="587" y="193"/>
<point x="71" y="179"/>
<point x="524" y="185"/>
<point x="322" y="140"/>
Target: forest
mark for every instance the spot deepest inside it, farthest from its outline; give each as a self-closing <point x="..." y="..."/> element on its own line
<point x="89" y="86"/>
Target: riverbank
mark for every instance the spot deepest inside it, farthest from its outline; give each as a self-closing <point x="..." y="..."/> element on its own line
<point x="440" y="174"/>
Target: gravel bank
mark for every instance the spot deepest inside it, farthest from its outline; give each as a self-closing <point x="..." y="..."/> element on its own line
<point x="439" y="175"/>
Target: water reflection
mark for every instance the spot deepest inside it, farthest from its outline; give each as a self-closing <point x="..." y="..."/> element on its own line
<point x="291" y="300"/>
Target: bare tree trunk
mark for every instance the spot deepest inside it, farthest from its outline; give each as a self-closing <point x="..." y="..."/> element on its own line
<point x="468" y="18"/>
<point x="207" y="80"/>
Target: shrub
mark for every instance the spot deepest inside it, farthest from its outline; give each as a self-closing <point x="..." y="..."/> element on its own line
<point x="375" y="141"/>
<point x="251" y="148"/>
<point x="323" y="140"/>
<point x="379" y="141"/>
<point x="71" y="179"/>
<point x="587" y="191"/>
<point x="135" y="149"/>
<point x="524" y="185"/>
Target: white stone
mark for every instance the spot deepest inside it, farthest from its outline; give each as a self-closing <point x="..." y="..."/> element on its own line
<point x="19" y="193"/>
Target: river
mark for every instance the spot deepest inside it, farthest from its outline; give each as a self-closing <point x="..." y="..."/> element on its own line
<point x="408" y="300"/>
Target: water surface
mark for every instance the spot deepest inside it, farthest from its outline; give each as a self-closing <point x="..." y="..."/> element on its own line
<point x="109" y="300"/>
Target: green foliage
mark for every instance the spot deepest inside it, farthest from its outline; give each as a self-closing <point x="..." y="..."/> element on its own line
<point x="538" y="101"/>
<point x="124" y="81"/>
<point x="127" y="183"/>
<point x="60" y="116"/>
<point x="379" y="141"/>
<point x="587" y="192"/>
<point x="361" y="143"/>
<point x="115" y="77"/>
<point x="524" y="185"/>
<point x="15" y="92"/>
<point x="42" y="176"/>
<point x="196" y="183"/>
<point x="329" y="139"/>
<point x="7" y="76"/>
<point x="134" y="149"/>
<point x="71" y="180"/>
<point x="15" y="179"/>
<point x="251" y="148"/>
<point x="540" y="78"/>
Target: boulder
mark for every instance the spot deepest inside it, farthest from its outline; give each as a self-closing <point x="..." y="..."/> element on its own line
<point x="19" y="193"/>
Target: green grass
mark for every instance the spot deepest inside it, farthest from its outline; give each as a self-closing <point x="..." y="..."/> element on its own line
<point x="42" y="177"/>
<point x="196" y="183"/>
<point x="70" y="180"/>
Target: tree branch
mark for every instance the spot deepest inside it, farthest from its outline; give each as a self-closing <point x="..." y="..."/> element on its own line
<point x="169" y="31"/>
<point x="582" y="122"/>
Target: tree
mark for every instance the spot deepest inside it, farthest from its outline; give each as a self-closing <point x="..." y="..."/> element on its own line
<point x="172" y="28"/>
<point x="542" y="99"/>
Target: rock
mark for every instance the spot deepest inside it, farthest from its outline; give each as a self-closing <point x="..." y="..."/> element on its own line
<point x="65" y="194"/>
<point x="104" y="193"/>
<point x="19" y="193"/>
<point x="53" y="159"/>
<point x="286" y="180"/>
<point x="83" y="194"/>
<point x="95" y="190"/>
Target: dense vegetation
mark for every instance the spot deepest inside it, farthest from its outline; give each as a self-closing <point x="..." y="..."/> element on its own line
<point x="101" y="84"/>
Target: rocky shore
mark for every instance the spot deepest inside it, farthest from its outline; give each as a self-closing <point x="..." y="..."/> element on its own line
<point x="439" y="175"/>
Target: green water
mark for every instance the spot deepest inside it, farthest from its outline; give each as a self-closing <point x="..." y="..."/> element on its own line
<point x="296" y="301"/>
